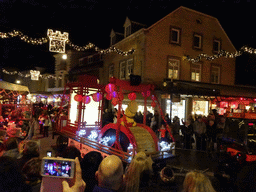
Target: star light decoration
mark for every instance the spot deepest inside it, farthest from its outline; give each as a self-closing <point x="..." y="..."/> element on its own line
<point x="57" y="41"/>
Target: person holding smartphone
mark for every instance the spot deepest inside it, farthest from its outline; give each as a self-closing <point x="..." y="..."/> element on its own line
<point x="59" y="184"/>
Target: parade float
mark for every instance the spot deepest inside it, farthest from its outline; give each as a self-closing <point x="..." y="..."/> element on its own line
<point x="82" y="123"/>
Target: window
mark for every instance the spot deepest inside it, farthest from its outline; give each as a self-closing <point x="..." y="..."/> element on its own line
<point x="128" y="31"/>
<point x="216" y="46"/>
<point x="129" y="68"/>
<point x="197" y="41"/>
<point x="113" y="40"/>
<point x="122" y="70"/>
<point x="173" y="68"/>
<point x="111" y="71"/>
<point x="215" y="74"/>
<point x="175" y="35"/>
<point x="195" y="72"/>
<point x="90" y="59"/>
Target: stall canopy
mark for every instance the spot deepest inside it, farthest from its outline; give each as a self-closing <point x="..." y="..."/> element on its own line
<point x="6" y="86"/>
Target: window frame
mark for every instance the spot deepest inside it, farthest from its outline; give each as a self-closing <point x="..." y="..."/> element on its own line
<point x="168" y="67"/>
<point x="122" y="65"/>
<point x="111" y="69"/>
<point x="173" y="28"/>
<point x="192" y="69"/>
<point x="127" y="68"/>
<point x="215" y="66"/>
<point x="219" y="46"/>
<point x="90" y="59"/>
<point x="200" y="41"/>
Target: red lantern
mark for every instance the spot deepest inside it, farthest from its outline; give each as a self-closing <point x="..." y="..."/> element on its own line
<point x="153" y="104"/>
<point x="97" y="97"/>
<point x="110" y="88"/>
<point x="114" y="101"/>
<point x="108" y="96"/>
<point x="114" y="94"/>
<point x="78" y="98"/>
<point x="132" y="96"/>
<point x="86" y="99"/>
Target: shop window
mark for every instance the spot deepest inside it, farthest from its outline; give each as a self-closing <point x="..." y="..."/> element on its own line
<point x="216" y="46"/>
<point x="129" y="68"/>
<point x="215" y="74"/>
<point x="173" y="68"/>
<point x="195" y="72"/>
<point x="111" y="71"/>
<point x="197" y="41"/>
<point x="175" y="34"/>
<point x="122" y="69"/>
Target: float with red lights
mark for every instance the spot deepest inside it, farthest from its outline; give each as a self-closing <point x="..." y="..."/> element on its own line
<point x="82" y="124"/>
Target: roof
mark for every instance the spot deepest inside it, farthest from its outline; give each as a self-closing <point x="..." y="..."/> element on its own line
<point x="13" y="87"/>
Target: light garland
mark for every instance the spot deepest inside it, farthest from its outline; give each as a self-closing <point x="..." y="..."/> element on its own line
<point x="222" y="53"/>
<point x="32" y="74"/>
<point x="58" y="41"/>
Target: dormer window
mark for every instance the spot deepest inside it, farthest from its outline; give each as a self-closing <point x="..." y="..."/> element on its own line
<point x="216" y="46"/>
<point x="128" y="31"/>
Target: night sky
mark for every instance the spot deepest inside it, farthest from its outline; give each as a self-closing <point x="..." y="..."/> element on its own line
<point x="92" y="20"/>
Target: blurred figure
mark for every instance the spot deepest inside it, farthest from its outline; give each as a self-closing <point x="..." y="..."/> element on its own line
<point x="200" y="130"/>
<point x="110" y="174"/>
<point x="89" y="166"/>
<point x="187" y="131"/>
<point x="11" y="148"/>
<point x="71" y="152"/>
<point x="32" y="173"/>
<point x="11" y="179"/>
<point x="2" y="139"/>
<point x="31" y="150"/>
<point x="211" y="134"/>
<point x="138" y="173"/>
<point x="197" y="182"/>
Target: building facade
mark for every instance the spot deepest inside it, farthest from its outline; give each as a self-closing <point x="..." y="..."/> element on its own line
<point x="160" y="57"/>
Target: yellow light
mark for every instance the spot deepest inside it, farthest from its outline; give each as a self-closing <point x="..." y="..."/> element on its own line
<point x="64" y="56"/>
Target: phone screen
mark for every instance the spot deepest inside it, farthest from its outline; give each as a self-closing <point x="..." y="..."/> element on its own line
<point x="58" y="168"/>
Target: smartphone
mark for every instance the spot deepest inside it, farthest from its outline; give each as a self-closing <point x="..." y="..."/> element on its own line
<point x="49" y="153"/>
<point x="58" y="167"/>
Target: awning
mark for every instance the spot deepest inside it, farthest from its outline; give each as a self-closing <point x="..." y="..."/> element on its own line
<point x="13" y="87"/>
<point x="208" y="89"/>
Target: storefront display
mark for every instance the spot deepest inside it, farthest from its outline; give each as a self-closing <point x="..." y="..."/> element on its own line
<point x="178" y="109"/>
<point x="200" y="107"/>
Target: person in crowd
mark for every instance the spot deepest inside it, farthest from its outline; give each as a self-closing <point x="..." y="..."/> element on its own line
<point x="46" y="123"/>
<point x="110" y="174"/>
<point x="71" y="152"/>
<point x="138" y="173"/>
<point x="215" y="115"/>
<point x="54" y="118"/>
<point x="32" y="173"/>
<point x="31" y="150"/>
<point x="33" y="126"/>
<point x="107" y="117"/>
<point x="139" y="117"/>
<point x="11" y="179"/>
<point x="2" y="122"/>
<point x="167" y="119"/>
<point x="156" y="115"/>
<point x="153" y="124"/>
<point x="41" y="122"/>
<point x="222" y="127"/>
<point x="211" y="134"/>
<point x="200" y="130"/>
<point x="187" y="131"/>
<point x="2" y="140"/>
<point x="115" y="115"/>
<point x="149" y="116"/>
<point x="11" y="148"/>
<point x="197" y="182"/>
<point x="89" y="166"/>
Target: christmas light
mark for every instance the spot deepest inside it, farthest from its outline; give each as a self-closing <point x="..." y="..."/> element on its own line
<point x="57" y="41"/>
<point x="34" y="75"/>
<point x="93" y="136"/>
<point x="105" y="140"/>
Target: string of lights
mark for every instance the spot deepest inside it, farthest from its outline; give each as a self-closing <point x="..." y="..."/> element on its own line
<point x="222" y="53"/>
<point x="31" y="74"/>
<point x="58" y="40"/>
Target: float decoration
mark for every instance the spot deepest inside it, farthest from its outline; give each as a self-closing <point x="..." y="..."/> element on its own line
<point x="86" y="99"/>
<point x="132" y="96"/>
<point x="97" y="97"/>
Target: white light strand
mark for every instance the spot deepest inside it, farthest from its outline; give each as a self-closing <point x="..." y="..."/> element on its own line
<point x="222" y="53"/>
<point x="29" y="74"/>
<point x="58" y="40"/>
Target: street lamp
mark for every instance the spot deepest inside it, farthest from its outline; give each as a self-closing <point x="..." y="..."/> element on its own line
<point x="64" y="56"/>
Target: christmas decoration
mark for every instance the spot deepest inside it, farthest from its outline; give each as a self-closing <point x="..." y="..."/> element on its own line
<point x="153" y="104"/>
<point x="97" y="97"/>
<point x="109" y="96"/>
<point x="132" y="96"/>
<point x="34" y="75"/>
<point x="110" y="88"/>
<point x="114" y="101"/>
<point x="146" y="94"/>
<point x="78" y="98"/>
<point x="86" y="99"/>
<point x="57" y="41"/>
